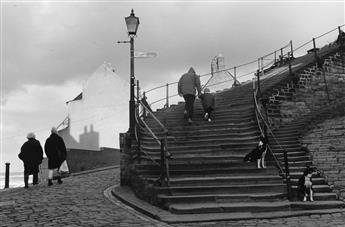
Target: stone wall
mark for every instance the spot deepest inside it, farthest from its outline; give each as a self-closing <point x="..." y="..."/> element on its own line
<point x="80" y="160"/>
<point x="326" y="143"/>
<point x="312" y="89"/>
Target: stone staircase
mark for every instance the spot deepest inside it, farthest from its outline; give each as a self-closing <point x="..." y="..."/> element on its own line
<point x="207" y="172"/>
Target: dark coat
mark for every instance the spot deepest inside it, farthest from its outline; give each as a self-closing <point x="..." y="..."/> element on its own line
<point x="55" y="150"/>
<point x="208" y="101"/>
<point x="31" y="153"/>
<point x="189" y="83"/>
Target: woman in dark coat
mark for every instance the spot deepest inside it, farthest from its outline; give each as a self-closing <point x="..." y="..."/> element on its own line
<point x="55" y="150"/>
<point x="31" y="153"/>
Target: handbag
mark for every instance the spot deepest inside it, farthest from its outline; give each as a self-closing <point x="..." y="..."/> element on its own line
<point x="64" y="168"/>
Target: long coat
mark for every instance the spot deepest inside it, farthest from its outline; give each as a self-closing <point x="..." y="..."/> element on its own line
<point x="55" y="150"/>
<point x="31" y="153"/>
<point x="189" y="83"/>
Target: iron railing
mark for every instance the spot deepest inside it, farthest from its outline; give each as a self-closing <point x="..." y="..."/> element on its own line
<point x="164" y="178"/>
<point x="260" y="119"/>
<point x="276" y="58"/>
<point x="264" y="65"/>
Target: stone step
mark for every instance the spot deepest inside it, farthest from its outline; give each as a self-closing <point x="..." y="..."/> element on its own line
<point x="206" y="135"/>
<point x="214" y="207"/>
<point x="229" y="180"/>
<point x="196" y="147"/>
<point x="246" y="111"/>
<point x="228" y="171"/>
<point x="222" y="198"/>
<point x="255" y="207"/>
<point x="197" y="126"/>
<point x="206" y="141"/>
<point x="222" y="189"/>
<point x="224" y="109"/>
<point x="209" y="164"/>
<point x="216" y="150"/>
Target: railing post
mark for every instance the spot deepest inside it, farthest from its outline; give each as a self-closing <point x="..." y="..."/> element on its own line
<point x="287" y="175"/>
<point x="138" y="91"/>
<point x="138" y="123"/>
<point x="235" y="81"/>
<point x="314" y="46"/>
<point x="167" y="172"/>
<point x="7" y="175"/>
<point x="144" y="109"/>
<point x="262" y="66"/>
<point x="290" y="68"/>
<point x="258" y="79"/>
<point x="341" y="38"/>
<point x="163" y="158"/>
<point x="281" y="55"/>
<point x="291" y="49"/>
<point x="167" y="96"/>
<point x="275" y="57"/>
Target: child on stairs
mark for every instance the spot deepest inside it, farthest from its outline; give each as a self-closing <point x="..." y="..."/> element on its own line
<point x="208" y="103"/>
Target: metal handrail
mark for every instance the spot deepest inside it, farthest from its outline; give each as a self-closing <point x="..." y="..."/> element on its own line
<point x="224" y="70"/>
<point x="258" y="113"/>
<point x="287" y="172"/>
<point x="165" y="176"/>
<point x="153" y="136"/>
<point x="289" y="53"/>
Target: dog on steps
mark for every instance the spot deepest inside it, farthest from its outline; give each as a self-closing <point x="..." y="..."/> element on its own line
<point x="305" y="183"/>
<point x="258" y="154"/>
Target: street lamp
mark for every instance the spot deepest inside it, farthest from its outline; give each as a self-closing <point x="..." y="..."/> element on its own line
<point x="132" y="23"/>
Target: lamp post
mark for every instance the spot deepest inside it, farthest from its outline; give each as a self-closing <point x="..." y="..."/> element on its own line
<point x="132" y="23"/>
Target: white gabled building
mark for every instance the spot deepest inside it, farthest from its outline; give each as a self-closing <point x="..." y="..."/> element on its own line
<point x="99" y="113"/>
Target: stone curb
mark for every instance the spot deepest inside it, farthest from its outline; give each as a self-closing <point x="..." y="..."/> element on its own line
<point x="94" y="170"/>
<point x="125" y="195"/>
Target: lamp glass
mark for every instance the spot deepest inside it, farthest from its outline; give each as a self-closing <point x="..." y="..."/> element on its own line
<point x="132" y="23"/>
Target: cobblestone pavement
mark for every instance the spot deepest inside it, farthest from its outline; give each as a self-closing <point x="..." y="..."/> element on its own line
<point x="80" y="201"/>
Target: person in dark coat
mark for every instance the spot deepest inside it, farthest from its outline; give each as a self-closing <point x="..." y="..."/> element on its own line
<point x="208" y="103"/>
<point x="55" y="150"/>
<point x="188" y="85"/>
<point x="31" y="153"/>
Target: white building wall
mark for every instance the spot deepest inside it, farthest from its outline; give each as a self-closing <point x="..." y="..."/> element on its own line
<point x="97" y="119"/>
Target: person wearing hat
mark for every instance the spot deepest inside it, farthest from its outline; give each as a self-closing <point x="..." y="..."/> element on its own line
<point x="187" y="87"/>
<point x="55" y="150"/>
<point x="31" y="153"/>
<point x="208" y="103"/>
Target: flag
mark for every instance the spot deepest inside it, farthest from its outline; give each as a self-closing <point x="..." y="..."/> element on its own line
<point x="151" y="54"/>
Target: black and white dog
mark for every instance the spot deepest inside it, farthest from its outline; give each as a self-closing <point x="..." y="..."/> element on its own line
<point x="305" y="183"/>
<point x="258" y="154"/>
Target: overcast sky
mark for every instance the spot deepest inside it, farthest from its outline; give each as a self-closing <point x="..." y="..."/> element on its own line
<point x="49" y="48"/>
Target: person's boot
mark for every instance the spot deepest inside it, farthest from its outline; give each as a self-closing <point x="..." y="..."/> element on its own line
<point x="50" y="182"/>
<point x="59" y="180"/>
<point x="26" y="181"/>
<point x="35" y="179"/>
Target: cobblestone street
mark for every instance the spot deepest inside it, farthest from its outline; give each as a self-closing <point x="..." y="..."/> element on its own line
<point x="80" y="201"/>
